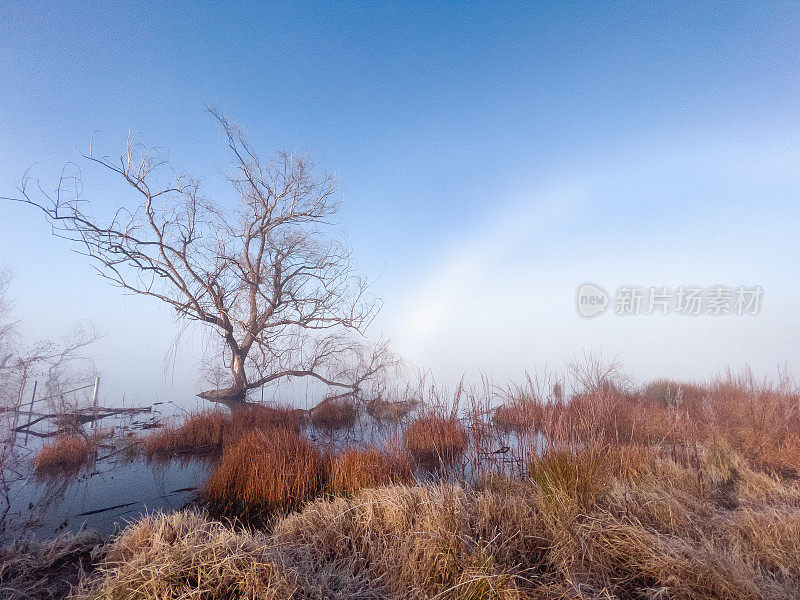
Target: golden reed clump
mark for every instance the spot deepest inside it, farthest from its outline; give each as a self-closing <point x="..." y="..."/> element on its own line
<point x="203" y="431"/>
<point x="208" y="430"/>
<point x="433" y="439"/>
<point x="261" y="418"/>
<point x="64" y="456"/>
<point x="272" y="470"/>
<point x="354" y="469"/>
<point x="335" y="413"/>
<point x="393" y="542"/>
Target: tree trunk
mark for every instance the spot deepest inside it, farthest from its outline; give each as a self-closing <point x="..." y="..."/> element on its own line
<point x="238" y="391"/>
<point x="237" y="369"/>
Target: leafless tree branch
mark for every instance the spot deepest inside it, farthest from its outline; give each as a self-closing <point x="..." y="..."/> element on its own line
<point x="284" y="298"/>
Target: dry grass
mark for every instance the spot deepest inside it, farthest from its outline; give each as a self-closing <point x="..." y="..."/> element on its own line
<point x="396" y="542"/>
<point x="519" y="415"/>
<point x="274" y="470"/>
<point x="34" y="570"/>
<point x="203" y="431"/>
<point x="433" y="439"/>
<point x="782" y="457"/>
<point x="644" y="527"/>
<point x="512" y="539"/>
<point x="670" y="492"/>
<point x="207" y="431"/>
<point x="64" y="456"/>
<point x="354" y="469"/>
<point x="582" y="476"/>
<point x="673" y="393"/>
<point x="335" y="413"/>
<point x="261" y="418"/>
<point x="760" y="422"/>
<point x="391" y="411"/>
<point x="186" y="555"/>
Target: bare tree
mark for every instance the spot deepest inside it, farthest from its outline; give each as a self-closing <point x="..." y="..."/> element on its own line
<point x="56" y="363"/>
<point x="594" y="373"/>
<point x="6" y="326"/>
<point x="282" y="293"/>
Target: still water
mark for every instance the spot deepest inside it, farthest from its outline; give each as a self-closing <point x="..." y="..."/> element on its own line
<point x="104" y="496"/>
<point x="121" y="485"/>
<point x="102" y="500"/>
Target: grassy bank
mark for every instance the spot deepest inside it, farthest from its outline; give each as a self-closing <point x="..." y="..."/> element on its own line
<point x="666" y="492"/>
<point x="590" y="525"/>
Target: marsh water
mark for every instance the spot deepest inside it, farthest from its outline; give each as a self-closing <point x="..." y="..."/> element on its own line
<point x="101" y="500"/>
<point x="121" y="485"/>
<point x="116" y="488"/>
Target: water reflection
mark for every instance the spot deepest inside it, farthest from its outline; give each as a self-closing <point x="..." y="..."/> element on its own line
<point x="103" y="499"/>
<point x="102" y="495"/>
<point x="121" y="484"/>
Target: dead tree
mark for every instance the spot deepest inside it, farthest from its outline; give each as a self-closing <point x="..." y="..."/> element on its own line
<point x="281" y="293"/>
<point x="51" y="361"/>
<point x="57" y="363"/>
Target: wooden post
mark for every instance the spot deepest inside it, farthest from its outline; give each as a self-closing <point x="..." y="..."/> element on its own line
<point x="30" y="408"/>
<point x="94" y="401"/>
<point x="17" y="410"/>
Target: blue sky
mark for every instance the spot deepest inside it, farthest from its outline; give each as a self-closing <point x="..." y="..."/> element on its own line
<point x="492" y="158"/>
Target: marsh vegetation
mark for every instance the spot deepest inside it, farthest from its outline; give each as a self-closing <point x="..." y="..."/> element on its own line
<point x="665" y="490"/>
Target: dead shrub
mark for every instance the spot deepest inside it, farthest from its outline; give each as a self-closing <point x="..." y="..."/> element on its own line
<point x="518" y="415"/>
<point x="433" y="439"/>
<point x="391" y="411"/>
